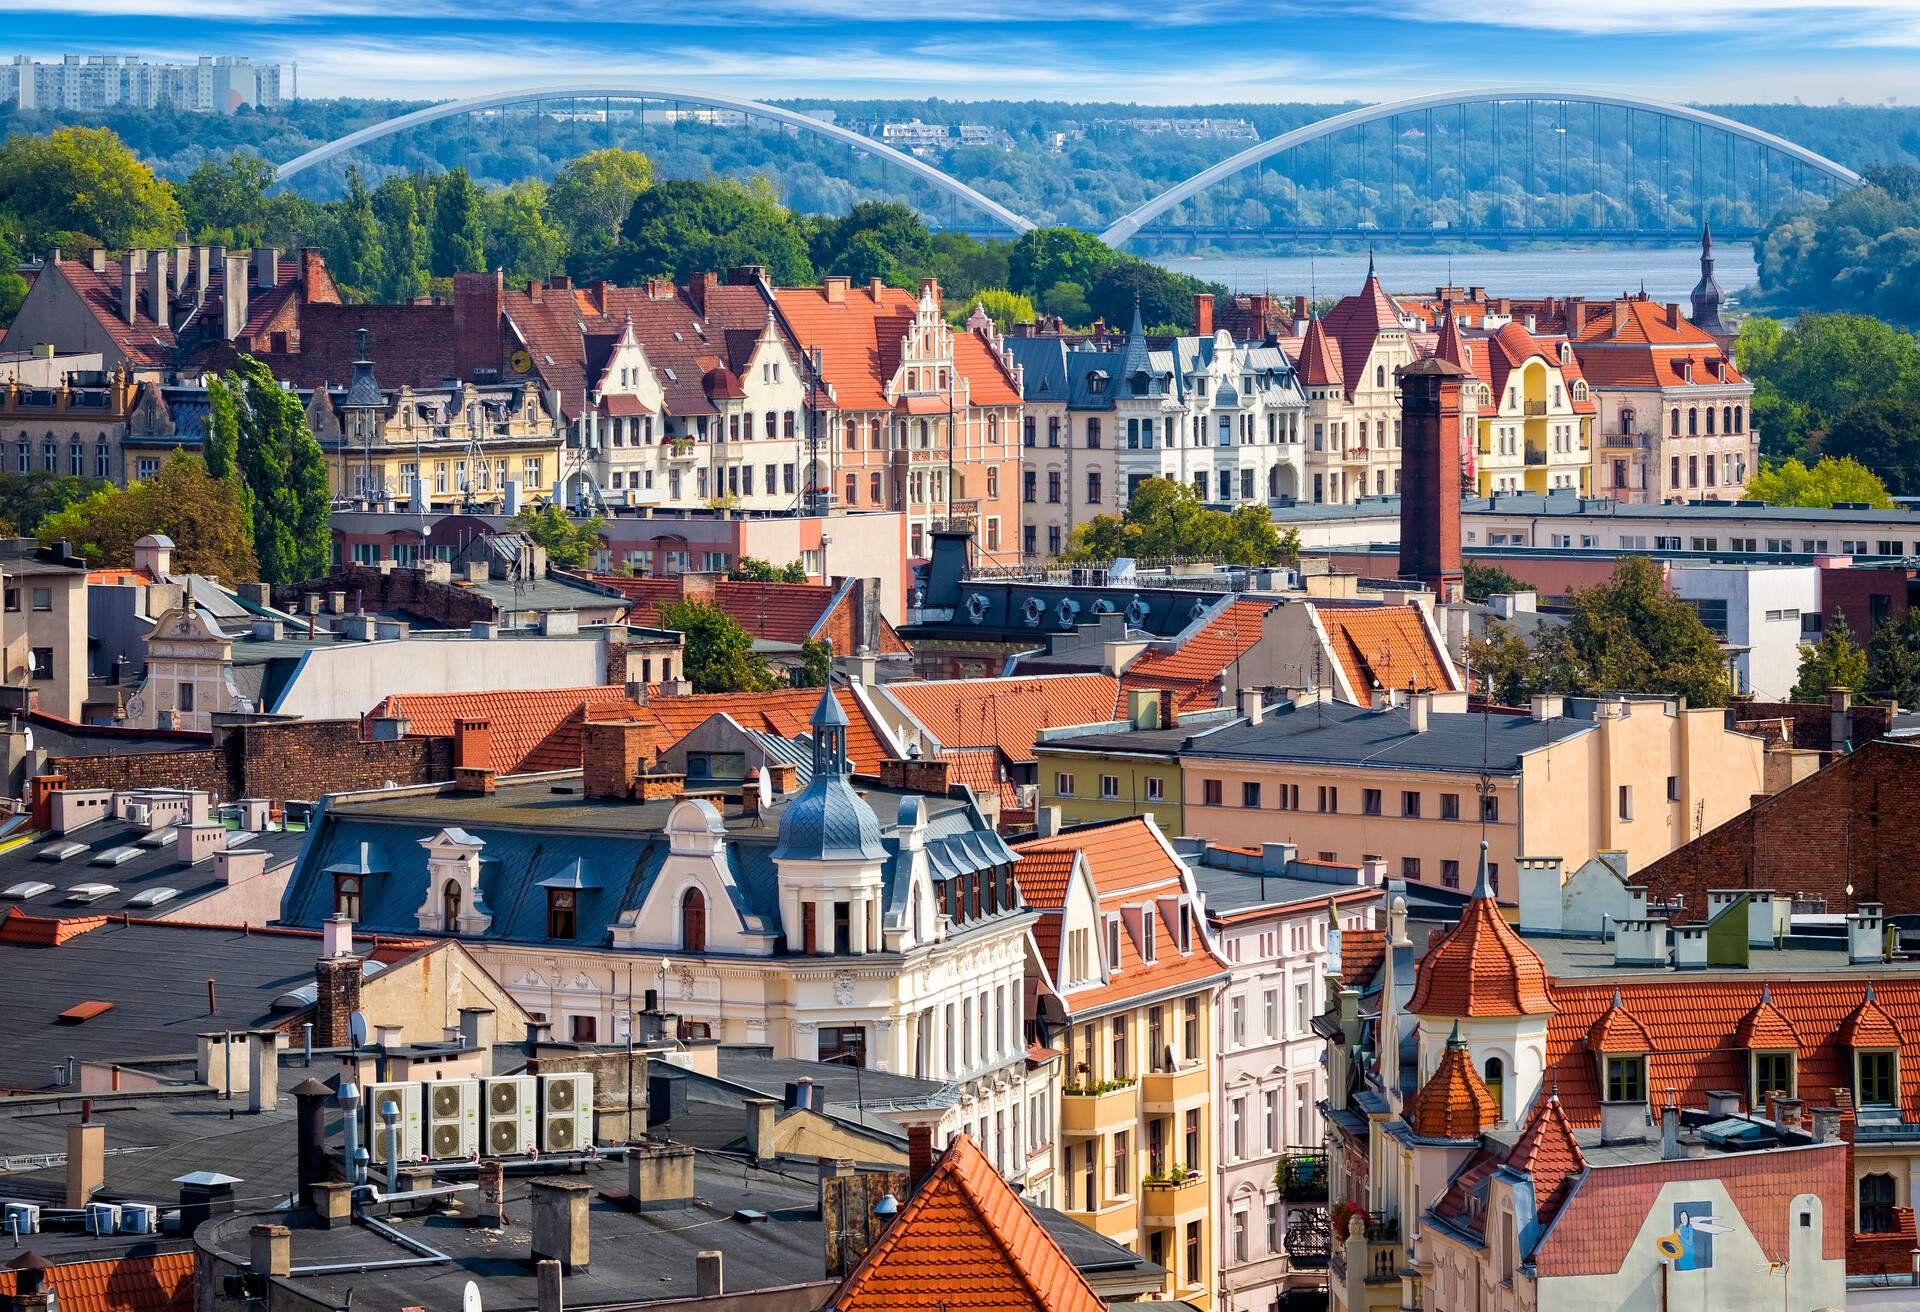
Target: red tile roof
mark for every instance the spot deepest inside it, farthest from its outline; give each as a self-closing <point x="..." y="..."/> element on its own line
<point x="1764" y="1027"/>
<point x="776" y="612"/>
<point x="1361" y="952"/>
<point x="136" y="1282"/>
<point x="1696" y="1043"/>
<point x="1631" y="343"/>
<point x="1355" y="322"/>
<point x="788" y="712"/>
<point x="1548" y="1151"/>
<point x="1619" y="1032"/>
<point x="1130" y="866"/>
<point x="982" y="770"/>
<point x="1007" y="713"/>
<point x="965" y="1243"/>
<point x="860" y="339"/>
<point x="1386" y="647"/>
<point x="1481" y="967"/>
<point x="1454" y="1103"/>
<point x="534" y="729"/>
<point x="1320" y="364"/>
<point x="44" y="931"/>
<point x="1193" y="669"/>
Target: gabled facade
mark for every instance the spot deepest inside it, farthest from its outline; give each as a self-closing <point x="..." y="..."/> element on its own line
<point x="1126" y="977"/>
<point x="1532" y="413"/>
<point x="1348" y="365"/>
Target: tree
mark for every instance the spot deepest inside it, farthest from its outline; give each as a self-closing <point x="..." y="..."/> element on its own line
<point x="751" y="569"/>
<point x="1836" y="661"/>
<point x="199" y="512"/>
<point x="1164" y="297"/>
<point x="459" y="235"/>
<point x="1806" y="374"/>
<point x="1884" y="436"/>
<point x="285" y="472"/>
<point x="1166" y="519"/>
<point x="403" y="240"/>
<point x="520" y="238"/>
<point x="1829" y="483"/>
<point x="1005" y="308"/>
<point x="591" y="195"/>
<point x="719" y="653"/>
<point x="567" y="544"/>
<point x="682" y="227"/>
<point x="225" y="199"/>
<point x="27" y="499"/>
<point x="1484" y="581"/>
<point x="78" y="187"/>
<point x="358" y="260"/>
<point x="816" y="664"/>
<point x="13" y="287"/>
<point x="877" y="239"/>
<point x="1893" y="661"/>
<point x="1044" y="257"/>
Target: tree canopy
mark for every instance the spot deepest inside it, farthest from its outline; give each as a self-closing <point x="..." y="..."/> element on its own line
<point x="1166" y="519"/>
<point x="1483" y="581"/>
<point x="1893" y="661"/>
<point x="719" y="652"/>
<point x="1829" y="482"/>
<point x="567" y="544"/>
<point x="1836" y="661"/>
<point x="1625" y="635"/>
<point x="751" y="569"/>
<point x="200" y="513"/>
<point x="1807" y="374"/>
<point x="79" y="187"/>
<point x="1860" y="251"/>
<point x="260" y="429"/>
<point x="225" y="199"/>
<point x="681" y="228"/>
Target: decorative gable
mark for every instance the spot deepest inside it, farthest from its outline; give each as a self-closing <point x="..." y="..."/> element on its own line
<point x="454" y="904"/>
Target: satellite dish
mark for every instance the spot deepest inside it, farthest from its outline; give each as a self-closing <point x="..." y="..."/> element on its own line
<point x="357" y="1029"/>
<point x="766" y="789"/>
<point x="470" y="1299"/>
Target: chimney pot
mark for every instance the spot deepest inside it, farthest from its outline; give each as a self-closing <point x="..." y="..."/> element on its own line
<point x="1203" y="314"/>
<point x="919" y="1154"/>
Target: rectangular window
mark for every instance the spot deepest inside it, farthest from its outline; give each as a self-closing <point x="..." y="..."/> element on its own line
<point x="1250" y="796"/>
<point x="1237" y="1021"/>
<point x="1410" y="867"/>
<point x="1876" y="1084"/>
<point x="1410" y="805"/>
<point x="1329" y="798"/>
<point x="1063" y="785"/>
<point x="1450" y="874"/>
<point x="1270" y="1013"/>
<point x="1192" y="1136"/>
<point x="43" y="598"/>
<point x="1370" y="801"/>
<point x="1156" y="789"/>
<point x="1190" y="1037"/>
<point x="1772" y="1071"/>
<point x="1490" y="809"/>
<point x="1109" y="787"/>
<point x="1626" y="1079"/>
<point x="1210" y="792"/>
<point x="1626" y="801"/>
<point x="40" y="663"/>
<point x="1301" y="1002"/>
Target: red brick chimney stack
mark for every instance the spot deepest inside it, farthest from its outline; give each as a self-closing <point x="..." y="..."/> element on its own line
<point x="1430" y="486"/>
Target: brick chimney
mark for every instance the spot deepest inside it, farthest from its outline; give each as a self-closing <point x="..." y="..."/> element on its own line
<point x="698" y="288"/>
<point x="1430" y="491"/>
<point x="1673" y="314"/>
<point x="1203" y="314"/>
<point x="916" y="776"/>
<point x="336" y="998"/>
<point x="834" y="287"/>
<point x="473" y="755"/>
<point x="131" y="263"/>
<point x="158" y="287"/>
<point x="233" y="297"/>
<point x="919" y="1154"/>
<point x="478" y="299"/>
<point x="615" y="755"/>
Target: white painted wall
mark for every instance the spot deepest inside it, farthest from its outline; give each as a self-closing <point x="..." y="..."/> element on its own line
<point x="347" y="679"/>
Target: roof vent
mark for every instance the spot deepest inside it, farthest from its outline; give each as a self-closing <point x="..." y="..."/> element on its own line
<point x="60" y="851"/>
<point x="115" y="856"/>
<point x="25" y="889"/>
<point x="158" y="838"/>
<point x="85" y="893"/>
<point x="153" y="897"/>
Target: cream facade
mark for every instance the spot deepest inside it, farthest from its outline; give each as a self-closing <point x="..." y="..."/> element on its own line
<point x="43" y="627"/>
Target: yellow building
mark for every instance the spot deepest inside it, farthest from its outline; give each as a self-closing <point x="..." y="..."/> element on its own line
<point x="1533" y="414"/>
<point x="1421" y="788"/>
<point x="459" y="443"/>
<point x="1126" y="986"/>
<point x="1089" y="778"/>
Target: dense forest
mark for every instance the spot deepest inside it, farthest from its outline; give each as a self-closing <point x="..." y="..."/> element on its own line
<point x="1861" y="252"/>
<point x="1086" y="164"/>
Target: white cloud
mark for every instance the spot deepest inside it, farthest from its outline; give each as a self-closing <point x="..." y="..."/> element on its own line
<point x="1827" y="21"/>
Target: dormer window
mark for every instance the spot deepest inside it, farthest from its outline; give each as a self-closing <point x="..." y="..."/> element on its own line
<point x="1876" y="1077"/>
<point x="1113" y="942"/>
<point x="1147" y="937"/>
<point x="1773" y="1072"/>
<point x="1626" y="1079"/>
<point x="1186" y="929"/>
<point x="346" y="896"/>
<point x="561" y="906"/>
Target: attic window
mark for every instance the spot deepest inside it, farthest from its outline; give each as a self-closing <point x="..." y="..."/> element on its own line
<point x="1186" y="928"/>
<point x="1113" y="943"/>
<point x="82" y="1012"/>
<point x="1148" y="939"/>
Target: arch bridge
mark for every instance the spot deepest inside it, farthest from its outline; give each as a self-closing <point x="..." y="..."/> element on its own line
<point x="1828" y="172"/>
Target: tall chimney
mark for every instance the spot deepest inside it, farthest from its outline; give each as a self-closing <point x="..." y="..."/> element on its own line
<point x="560" y="1221"/>
<point x="266" y="267"/>
<point x="1430" y="489"/>
<point x="202" y="273"/>
<point x="919" y="1154"/>
<point x="263" y="1070"/>
<point x="86" y="1157"/>
<point x="130" y="263"/>
<point x="233" y="297"/>
<point x="182" y="257"/>
<point x="159" y="289"/>
<point x="1203" y="314"/>
<point x="310" y="1125"/>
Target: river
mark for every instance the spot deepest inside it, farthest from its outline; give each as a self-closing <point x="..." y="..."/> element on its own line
<point x="1669" y="272"/>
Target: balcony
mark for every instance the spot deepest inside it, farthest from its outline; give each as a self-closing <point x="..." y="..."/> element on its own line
<point x="1303" y="1178"/>
<point x="1168" y="1091"/>
<point x="1176" y="1198"/>
<point x="1536" y="455"/>
<point x="1098" y="1108"/>
<point x="1535" y="409"/>
<point x="682" y="449"/>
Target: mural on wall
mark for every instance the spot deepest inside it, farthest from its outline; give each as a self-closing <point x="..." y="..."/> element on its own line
<point x="1690" y="1246"/>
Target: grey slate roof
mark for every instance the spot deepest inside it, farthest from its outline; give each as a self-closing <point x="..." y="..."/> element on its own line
<point x="1333" y="733"/>
<point x="1043" y="367"/>
<point x="150" y="866"/>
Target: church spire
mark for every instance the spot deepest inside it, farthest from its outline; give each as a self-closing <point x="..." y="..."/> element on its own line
<point x="1707" y="297"/>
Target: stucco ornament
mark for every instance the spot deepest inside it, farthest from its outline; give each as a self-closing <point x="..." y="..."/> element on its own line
<point x="843" y="987"/>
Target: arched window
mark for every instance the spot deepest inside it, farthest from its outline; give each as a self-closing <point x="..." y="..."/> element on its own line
<point x="693" y="921"/>
<point x="1673" y="425"/>
<point x="1739" y="419"/>
<point x="1726" y="419"/>
<point x="1379" y="375"/>
<point x="853" y="435"/>
<point x="1495" y="1078"/>
<point x="1626" y="419"/>
<point x="346" y="896"/>
<point x="1710" y="421"/>
<point x="1693" y="421"/>
<point x="450" y="907"/>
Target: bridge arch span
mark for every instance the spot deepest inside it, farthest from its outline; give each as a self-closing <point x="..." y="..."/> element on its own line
<point x="641" y="91"/>
<point x="1122" y="230"/>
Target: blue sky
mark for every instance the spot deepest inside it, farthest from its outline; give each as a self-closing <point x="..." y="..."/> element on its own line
<point x="1151" y="51"/>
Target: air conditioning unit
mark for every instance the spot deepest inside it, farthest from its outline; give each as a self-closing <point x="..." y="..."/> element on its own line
<point x="405" y="1097"/>
<point x="510" y="1108"/>
<point x="20" y="1218"/>
<point x="566" y="1113"/>
<point x="102" y="1218"/>
<point x="139" y="1219"/>
<point x="452" y="1118"/>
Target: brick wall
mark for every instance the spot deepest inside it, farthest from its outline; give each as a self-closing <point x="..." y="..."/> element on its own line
<point x="1811" y="723"/>
<point x="408" y="591"/>
<point x="1856" y="822"/>
<point x="301" y="759"/>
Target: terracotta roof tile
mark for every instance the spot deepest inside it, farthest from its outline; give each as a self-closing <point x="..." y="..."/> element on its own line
<point x="142" y="1282"/>
<point x="1481" y="967"/>
<point x="44" y="931"/>
<point x="1454" y="1103"/>
<point x="1355" y="322"/>
<point x="1319" y="361"/>
<point x="1361" y="952"/>
<point x="1384" y="646"/>
<point x="1869" y="1026"/>
<point x="860" y="341"/>
<point x="1548" y="1151"/>
<point x="777" y="612"/>
<point x="533" y="729"/>
<point x="1630" y="343"/>
<point x="1007" y="713"/>
<point x="1193" y="669"/>
<point x="982" y="770"/>
<point x="1765" y="1028"/>
<point x="1619" y="1032"/>
<point x="965" y="1243"/>
<point x="788" y="712"/>
<point x="1130" y="867"/>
